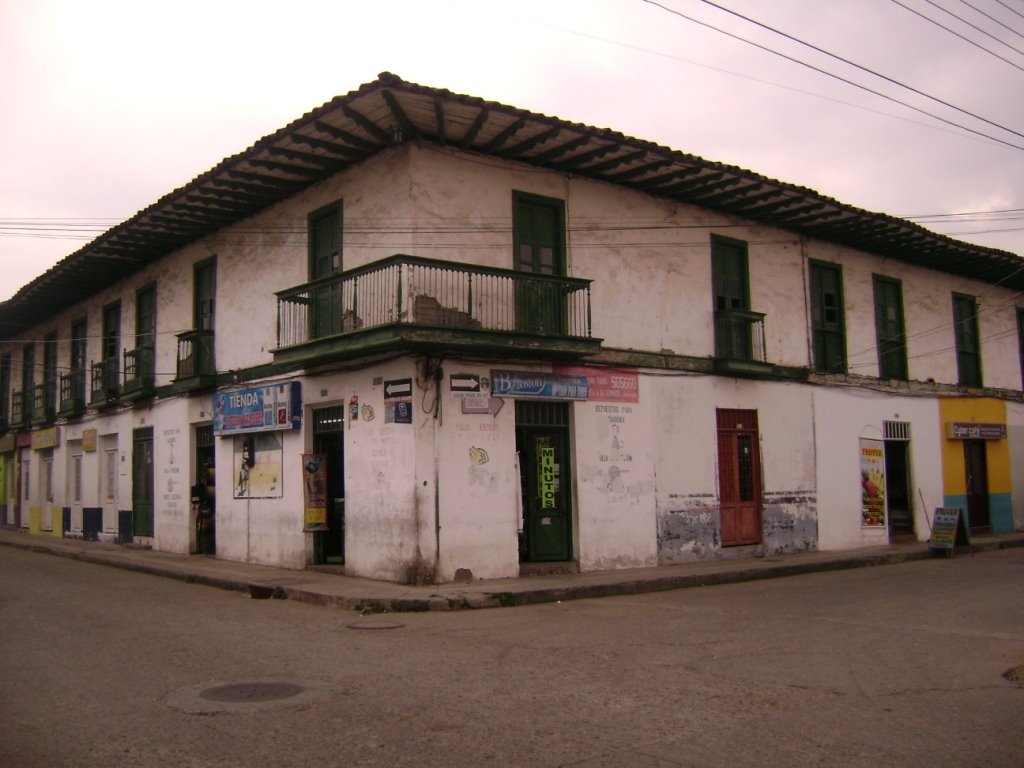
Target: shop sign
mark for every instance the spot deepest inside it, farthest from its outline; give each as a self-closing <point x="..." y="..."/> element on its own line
<point x="542" y="386"/>
<point x="607" y="385"/>
<point x="314" y="491"/>
<point x="7" y="443"/>
<point x="872" y="483"/>
<point x="546" y="476"/>
<point x="948" y="529"/>
<point x="957" y="430"/>
<point x="89" y="440"/>
<point x="258" y="409"/>
<point x="45" y="438"/>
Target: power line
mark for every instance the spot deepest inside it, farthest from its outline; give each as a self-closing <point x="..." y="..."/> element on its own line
<point x="953" y="32"/>
<point x="993" y="19"/>
<point x="862" y="68"/>
<point x="1011" y="10"/>
<point x="975" y="27"/>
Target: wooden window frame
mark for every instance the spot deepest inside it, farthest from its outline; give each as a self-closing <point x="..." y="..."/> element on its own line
<point x="892" y="349"/>
<point x="967" y="337"/>
<point x="822" y="330"/>
<point x="333" y="210"/>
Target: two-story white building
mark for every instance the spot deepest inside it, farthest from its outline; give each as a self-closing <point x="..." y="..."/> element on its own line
<point x="417" y="332"/>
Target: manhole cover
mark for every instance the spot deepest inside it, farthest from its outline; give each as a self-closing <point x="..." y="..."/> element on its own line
<point x="217" y="696"/>
<point x="251" y="692"/>
<point x="375" y="624"/>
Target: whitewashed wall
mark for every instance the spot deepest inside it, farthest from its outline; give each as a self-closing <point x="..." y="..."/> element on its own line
<point x="841" y="418"/>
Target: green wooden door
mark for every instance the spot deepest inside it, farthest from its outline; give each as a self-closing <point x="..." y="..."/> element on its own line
<point x="542" y="439"/>
<point x="324" y="262"/>
<point x="539" y="226"/>
<point x="142" y="482"/>
<point x="731" y="295"/>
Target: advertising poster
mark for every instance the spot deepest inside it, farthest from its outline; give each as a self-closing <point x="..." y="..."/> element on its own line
<point x="314" y="491"/>
<point x="872" y="483"/>
<point x="258" y="466"/>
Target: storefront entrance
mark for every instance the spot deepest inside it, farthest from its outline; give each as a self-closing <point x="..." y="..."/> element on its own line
<point x="204" y="493"/>
<point x="898" y="487"/>
<point x="976" y="474"/>
<point x="542" y="440"/>
<point x="329" y="440"/>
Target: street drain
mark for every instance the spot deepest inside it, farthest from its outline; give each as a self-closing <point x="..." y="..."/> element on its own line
<point x="213" y="697"/>
<point x="251" y="692"/>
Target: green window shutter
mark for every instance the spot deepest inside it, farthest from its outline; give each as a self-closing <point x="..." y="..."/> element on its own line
<point x="729" y="274"/>
<point x="890" y="332"/>
<point x="968" y="340"/>
<point x="325" y="242"/>
<point x="827" y="318"/>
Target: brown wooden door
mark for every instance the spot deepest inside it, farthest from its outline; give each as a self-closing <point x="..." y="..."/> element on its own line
<point x="739" y="477"/>
<point x="976" y="471"/>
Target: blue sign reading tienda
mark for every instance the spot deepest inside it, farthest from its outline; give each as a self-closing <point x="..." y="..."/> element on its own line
<point x="258" y="409"/>
<point x="549" y="386"/>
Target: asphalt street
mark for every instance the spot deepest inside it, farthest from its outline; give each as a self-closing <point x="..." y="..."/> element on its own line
<point x="901" y="665"/>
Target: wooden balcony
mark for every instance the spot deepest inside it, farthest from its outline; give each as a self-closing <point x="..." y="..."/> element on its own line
<point x="739" y="343"/>
<point x="408" y="302"/>
<point x="72" y="394"/>
<point x="105" y="388"/>
<point x="44" y="409"/>
<point x="196" y="367"/>
<point x="139" y="373"/>
<point x="20" y="407"/>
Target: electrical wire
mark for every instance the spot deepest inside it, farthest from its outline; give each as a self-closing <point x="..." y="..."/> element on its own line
<point x="976" y="28"/>
<point x="848" y="81"/>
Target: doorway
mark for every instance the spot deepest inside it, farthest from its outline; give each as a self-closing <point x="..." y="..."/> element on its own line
<point x="204" y="492"/>
<point x="542" y="441"/>
<point x="329" y="441"/>
<point x="142" y="482"/>
<point x="538" y="225"/>
<point x="976" y="476"/>
<point x="898" y="486"/>
<point x="739" y="477"/>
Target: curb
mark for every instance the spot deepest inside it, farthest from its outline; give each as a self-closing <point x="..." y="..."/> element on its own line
<point x="482" y="598"/>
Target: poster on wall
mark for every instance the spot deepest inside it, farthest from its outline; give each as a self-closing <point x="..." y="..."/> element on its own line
<point x="258" y="466"/>
<point x="872" y="483"/>
<point x="314" y="492"/>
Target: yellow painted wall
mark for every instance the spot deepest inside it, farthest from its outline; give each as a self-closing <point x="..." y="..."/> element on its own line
<point x="982" y="411"/>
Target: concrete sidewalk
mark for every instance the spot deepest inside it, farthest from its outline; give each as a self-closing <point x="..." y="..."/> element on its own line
<point x="351" y="593"/>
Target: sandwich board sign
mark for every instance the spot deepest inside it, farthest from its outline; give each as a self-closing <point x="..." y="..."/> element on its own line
<point x="949" y="530"/>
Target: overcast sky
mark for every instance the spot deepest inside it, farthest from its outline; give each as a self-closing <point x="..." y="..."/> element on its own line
<point x="107" y="106"/>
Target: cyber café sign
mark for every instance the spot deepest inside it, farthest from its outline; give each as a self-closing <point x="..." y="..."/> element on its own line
<point x="258" y="409"/>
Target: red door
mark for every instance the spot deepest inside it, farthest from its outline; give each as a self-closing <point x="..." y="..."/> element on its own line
<point x="739" y="477"/>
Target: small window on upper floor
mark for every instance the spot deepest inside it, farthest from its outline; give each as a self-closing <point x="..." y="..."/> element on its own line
<point x="325" y="242"/>
<point x="968" y="340"/>
<point x="828" y="325"/>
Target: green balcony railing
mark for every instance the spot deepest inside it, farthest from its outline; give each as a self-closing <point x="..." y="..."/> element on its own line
<point x="72" y="393"/>
<point x="20" y="409"/>
<point x="437" y="294"/>
<point x="139" y="370"/>
<point x="105" y="385"/>
<point x="739" y="336"/>
<point x="195" y="355"/>
<point x="44" y="403"/>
